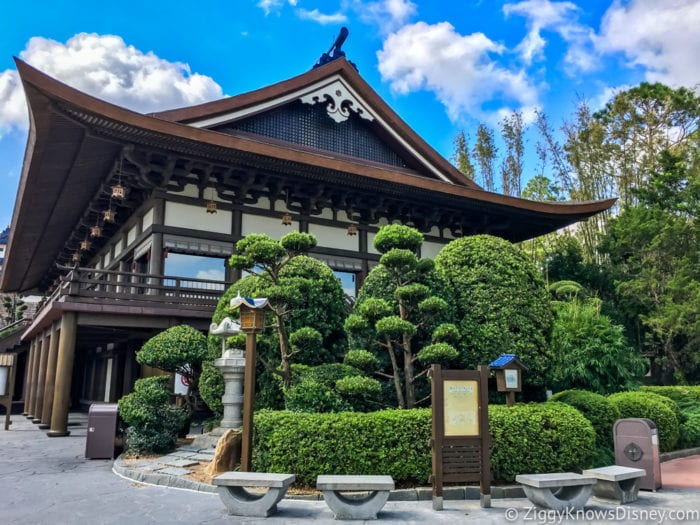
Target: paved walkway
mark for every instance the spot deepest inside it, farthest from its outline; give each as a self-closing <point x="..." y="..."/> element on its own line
<point x="48" y="480"/>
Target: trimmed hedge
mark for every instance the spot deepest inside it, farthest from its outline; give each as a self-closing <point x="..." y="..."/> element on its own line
<point x="596" y="408"/>
<point x="539" y="437"/>
<point x="654" y="407"/>
<point x="685" y="396"/>
<point x="546" y="437"/>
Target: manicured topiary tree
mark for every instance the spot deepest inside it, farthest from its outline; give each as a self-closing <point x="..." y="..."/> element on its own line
<point x="502" y="303"/>
<point x="319" y="303"/>
<point x="180" y="349"/>
<point x="391" y="324"/>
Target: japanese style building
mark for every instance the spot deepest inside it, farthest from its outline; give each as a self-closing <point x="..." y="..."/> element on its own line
<point x="124" y="221"/>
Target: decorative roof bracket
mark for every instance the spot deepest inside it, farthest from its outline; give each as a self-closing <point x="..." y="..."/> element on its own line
<point x="340" y="102"/>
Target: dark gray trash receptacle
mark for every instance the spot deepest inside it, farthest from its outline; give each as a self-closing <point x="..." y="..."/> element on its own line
<point x="102" y="430"/>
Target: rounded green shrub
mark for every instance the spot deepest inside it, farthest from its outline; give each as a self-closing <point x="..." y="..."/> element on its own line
<point x="313" y="396"/>
<point x="648" y="405"/>
<point x="537" y="438"/>
<point x="362" y="360"/>
<point x="153" y="424"/>
<point x="397" y="236"/>
<point x="596" y="408"/>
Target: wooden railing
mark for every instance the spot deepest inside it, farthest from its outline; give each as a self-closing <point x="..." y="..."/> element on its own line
<point x="110" y="286"/>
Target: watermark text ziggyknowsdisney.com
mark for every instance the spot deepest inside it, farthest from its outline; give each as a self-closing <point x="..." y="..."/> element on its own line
<point x="620" y="514"/>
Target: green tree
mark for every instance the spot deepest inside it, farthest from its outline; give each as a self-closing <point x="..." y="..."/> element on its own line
<point x="394" y="325"/>
<point x="502" y="303"/>
<point x="461" y="157"/>
<point x="13" y="307"/>
<point x="264" y="257"/>
<point x="180" y="349"/>
<point x="512" y="128"/>
<point x="485" y="152"/>
<point x="655" y="249"/>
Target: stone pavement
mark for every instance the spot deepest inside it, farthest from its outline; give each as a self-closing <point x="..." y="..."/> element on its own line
<point x="48" y="480"/>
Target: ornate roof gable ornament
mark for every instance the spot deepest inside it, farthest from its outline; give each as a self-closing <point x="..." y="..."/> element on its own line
<point x="335" y="50"/>
<point x="340" y="101"/>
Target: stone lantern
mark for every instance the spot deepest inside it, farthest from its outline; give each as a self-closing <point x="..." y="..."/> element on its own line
<point x="232" y="367"/>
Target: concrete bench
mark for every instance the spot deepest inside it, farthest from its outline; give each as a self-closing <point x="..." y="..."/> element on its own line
<point x="240" y="502"/>
<point x="557" y="491"/>
<point x="616" y="483"/>
<point x="355" y="507"/>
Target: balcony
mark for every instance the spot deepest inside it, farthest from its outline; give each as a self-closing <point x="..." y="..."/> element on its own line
<point x="137" y="295"/>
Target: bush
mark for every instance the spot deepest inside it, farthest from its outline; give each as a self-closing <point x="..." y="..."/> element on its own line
<point x="648" y="405"/>
<point x="502" y="303"/>
<point x="549" y="437"/>
<point x="690" y="429"/>
<point x="313" y="396"/>
<point x="596" y="408"/>
<point x="686" y="397"/>
<point x="539" y="437"/>
<point x="153" y="423"/>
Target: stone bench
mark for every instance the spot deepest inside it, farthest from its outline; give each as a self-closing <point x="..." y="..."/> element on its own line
<point x="557" y="491"/>
<point x="355" y="507"/>
<point x="616" y="483"/>
<point x="240" y="502"/>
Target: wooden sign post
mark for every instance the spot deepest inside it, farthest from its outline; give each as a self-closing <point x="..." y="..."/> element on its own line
<point x="509" y="375"/>
<point x="7" y="384"/>
<point x="460" y="436"/>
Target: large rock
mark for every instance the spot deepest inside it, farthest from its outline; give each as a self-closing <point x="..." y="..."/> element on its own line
<point x="228" y="453"/>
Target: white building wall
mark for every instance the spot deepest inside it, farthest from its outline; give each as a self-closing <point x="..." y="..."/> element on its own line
<point x="329" y="237"/>
<point x="197" y="218"/>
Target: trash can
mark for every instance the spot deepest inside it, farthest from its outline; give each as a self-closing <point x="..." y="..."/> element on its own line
<point x="102" y="431"/>
<point x="637" y="446"/>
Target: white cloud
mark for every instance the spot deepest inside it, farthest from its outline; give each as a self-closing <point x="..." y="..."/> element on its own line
<point x="211" y="274"/>
<point x="13" y="109"/>
<point x="323" y="19"/>
<point x="560" y="18"/>
<point x="105" y="67"/>
<point x="269" y="5"/>
<point x="458" y="68"/>
<point x="388" y="15"/>
<point x="660" y="36"/>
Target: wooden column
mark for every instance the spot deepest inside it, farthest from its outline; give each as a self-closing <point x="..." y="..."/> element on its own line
<point x="31" y="379"/>
<point x="41" y="378"/>
<point x="64" y="372"/>
<point x="27" y="378"/>
<point x="50" y="377"/>
<point x="248" y="401"/>
<point x="156" y="261"/>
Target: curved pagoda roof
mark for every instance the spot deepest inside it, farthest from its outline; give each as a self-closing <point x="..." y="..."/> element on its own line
<point x="321" y="139"/>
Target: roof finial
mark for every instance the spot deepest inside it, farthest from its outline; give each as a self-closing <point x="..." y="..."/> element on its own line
<point x="335" y="50"/>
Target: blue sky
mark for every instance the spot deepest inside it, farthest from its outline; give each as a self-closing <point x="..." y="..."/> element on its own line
<point x="442" y="66"/>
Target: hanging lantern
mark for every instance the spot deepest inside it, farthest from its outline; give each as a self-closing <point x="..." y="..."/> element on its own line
<point x="96" y="231"/>
<point x="352" y="229"/>
<point x="118" y="191"/>
<point x="76" y="257"/>
<point x="109" y="215"/>
<point x="84" y="245"/>
<point x="211" y="206"/>
<point x="286" y="219"/>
